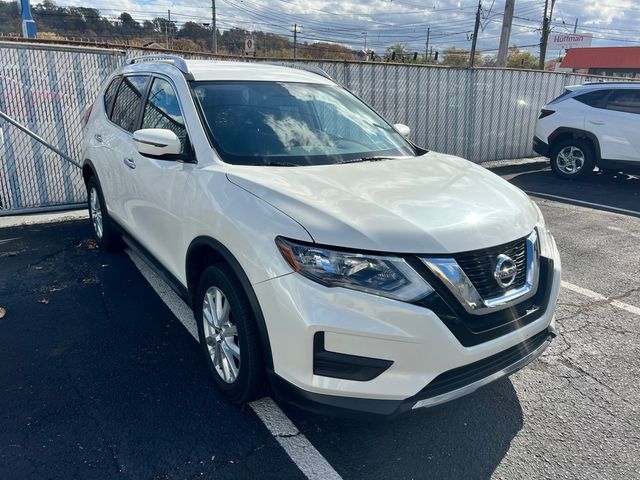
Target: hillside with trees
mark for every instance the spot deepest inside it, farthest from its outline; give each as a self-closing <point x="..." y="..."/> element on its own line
<point x="83" y="23"/>
<point x="88" y="24"/>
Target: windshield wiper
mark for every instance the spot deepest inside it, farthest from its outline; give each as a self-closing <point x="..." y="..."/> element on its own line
<point x="369" y="159"/>
<point x="276" y="164"/>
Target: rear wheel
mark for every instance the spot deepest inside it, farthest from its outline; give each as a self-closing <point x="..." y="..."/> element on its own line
<point x="228" y="335"/>
<point x="572" y="158"/>
<point x="106" y="235"/>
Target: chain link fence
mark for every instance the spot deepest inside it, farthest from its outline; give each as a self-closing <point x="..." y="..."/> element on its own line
<point x="481" y="114"/>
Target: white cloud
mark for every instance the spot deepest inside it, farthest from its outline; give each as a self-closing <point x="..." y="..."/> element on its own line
<point x="397" y="21"/>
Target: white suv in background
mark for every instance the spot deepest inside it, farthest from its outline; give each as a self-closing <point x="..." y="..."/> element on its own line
<point x="324" y="255"/>
<point x="591" y="124"/>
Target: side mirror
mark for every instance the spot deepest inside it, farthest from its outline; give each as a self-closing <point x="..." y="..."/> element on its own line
<point x="402" y="129"/>
<point x="157" y="142"/>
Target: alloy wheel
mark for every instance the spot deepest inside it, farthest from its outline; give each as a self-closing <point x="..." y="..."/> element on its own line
<point x="96" y="212"/>
<point x="221" y="334"/>
<point x="570" y="160"/>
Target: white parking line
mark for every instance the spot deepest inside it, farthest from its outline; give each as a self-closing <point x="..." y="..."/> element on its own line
<point x="582" y="202"/>
<point x="297" y="446"/>
<point x="597" y="296"/>
<point x="305" y="456"/>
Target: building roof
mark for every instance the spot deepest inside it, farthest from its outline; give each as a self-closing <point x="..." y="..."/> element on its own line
<point x="602" y="57"/>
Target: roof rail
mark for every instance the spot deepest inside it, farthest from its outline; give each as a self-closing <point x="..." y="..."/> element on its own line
<point x="175" y="60"/>
<point x="613" y="82"/>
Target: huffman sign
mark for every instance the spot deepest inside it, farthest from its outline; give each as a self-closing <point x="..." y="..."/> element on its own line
<point x="565" y="41"/>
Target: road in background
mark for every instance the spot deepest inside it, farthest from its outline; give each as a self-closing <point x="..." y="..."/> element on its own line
<point x="99" y="378"/>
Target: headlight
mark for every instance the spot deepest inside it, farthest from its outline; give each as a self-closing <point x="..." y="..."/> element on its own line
<point x="390" y="277"/>
<point x="547" y="242"/>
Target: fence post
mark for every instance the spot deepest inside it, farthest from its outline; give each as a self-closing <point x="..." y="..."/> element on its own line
<point x="470" y="111"/>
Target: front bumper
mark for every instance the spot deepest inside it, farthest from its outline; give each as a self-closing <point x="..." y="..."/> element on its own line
<point x="447" y="387"/>
<point x="419" y="346"/>
<point x="540" y="147"/>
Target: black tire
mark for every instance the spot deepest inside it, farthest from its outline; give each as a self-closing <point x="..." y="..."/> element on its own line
<point x="572" y="148"/>
<point x="249" y="383"/>
<point x="108" y="238"/>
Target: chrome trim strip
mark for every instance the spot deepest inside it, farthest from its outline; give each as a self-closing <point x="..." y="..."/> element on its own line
<point x="472" y="387"/>
<point x="452" y="275"/>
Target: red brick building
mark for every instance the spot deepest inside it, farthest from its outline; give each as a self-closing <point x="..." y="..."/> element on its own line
<point x="618" y="61"/>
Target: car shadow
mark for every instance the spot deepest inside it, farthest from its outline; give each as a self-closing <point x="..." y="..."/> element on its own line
<point x="602" y="190"/>
<point x="100" y="380"/>
<point x="466" y="438"/>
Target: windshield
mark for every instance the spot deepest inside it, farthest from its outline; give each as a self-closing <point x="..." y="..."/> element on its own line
<point x="280" y="123"/>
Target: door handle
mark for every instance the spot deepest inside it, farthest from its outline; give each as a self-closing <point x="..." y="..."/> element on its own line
<point x="596" y="122"/>
<point x="130" y="163"/>
<point x="98" y="137"/>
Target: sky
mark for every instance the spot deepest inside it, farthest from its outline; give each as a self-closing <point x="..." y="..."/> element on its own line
<point x="384" y="22"/>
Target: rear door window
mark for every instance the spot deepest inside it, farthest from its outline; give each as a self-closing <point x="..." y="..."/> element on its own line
<point x="624" y="100"/>
<point x="128" y="99"/>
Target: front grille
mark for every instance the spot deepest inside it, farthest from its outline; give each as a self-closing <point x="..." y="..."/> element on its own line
<point x="479" y="266"/>
<point x="462" y="376"/>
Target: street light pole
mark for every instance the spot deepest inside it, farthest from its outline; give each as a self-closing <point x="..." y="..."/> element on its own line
<point x="295" y="28"/>
<point x="214" y="44"/>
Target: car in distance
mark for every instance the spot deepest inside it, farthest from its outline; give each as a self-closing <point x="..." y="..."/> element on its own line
<point x="595" y="124"/>
<point x="324" y="255"/>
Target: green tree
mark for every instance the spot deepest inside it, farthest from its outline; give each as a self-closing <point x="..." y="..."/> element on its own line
<point x="454" y="57"/>
<point x="517" y="58"/>
<point x="400" y="50"/>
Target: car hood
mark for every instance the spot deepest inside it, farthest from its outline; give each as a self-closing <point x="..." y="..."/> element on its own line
<point x="434" y="203"/>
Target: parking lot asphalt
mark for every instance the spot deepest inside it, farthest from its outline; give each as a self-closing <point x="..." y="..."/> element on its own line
<point x="99" y="379"/>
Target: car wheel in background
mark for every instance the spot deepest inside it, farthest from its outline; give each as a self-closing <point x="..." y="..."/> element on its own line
<point x="228" y="335"/>
<point x="107" y="236"/>
<point x="572" y="158"/>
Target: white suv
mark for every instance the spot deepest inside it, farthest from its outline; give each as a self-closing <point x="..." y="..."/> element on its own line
<point x="591" y="124"/>
<point x="324" y="255"/>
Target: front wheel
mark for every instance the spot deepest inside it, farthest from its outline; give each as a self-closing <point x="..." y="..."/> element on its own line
<point x="228" y="335"/>
<point x="572" y="159"/>
<point x="106" y="236"/>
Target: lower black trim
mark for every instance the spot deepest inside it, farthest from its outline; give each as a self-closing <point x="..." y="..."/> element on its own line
<point x="621" y="165"/>
<point x="342" y="365"/>
<point x="375" y="409"/>
<point x="575" y="133"/>
<point x="228" y="257"/>
<point x="540" y="147"/>
<point x="154" y="264"/>
<point x="467" y="374"/>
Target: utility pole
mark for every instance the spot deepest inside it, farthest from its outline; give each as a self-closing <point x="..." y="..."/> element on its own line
<point x="214" y="39"/>
<point x="507" y="20"/>
<point x="166" y="35"/>
<point x="475" y="35"/>
<point x="295" y="29"/>
<point x="426" y="47"/>
<point x="546" y="23"/>
<point x="575" y="27"/>
<point x="365" y="41"/>
<point x="169" y="36"/>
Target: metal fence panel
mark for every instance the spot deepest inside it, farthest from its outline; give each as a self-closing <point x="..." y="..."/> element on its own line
<point x="482" y="114"/>
<point x="47" y="90"/>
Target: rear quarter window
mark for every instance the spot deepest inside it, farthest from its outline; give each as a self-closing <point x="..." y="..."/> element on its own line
<point x="594" y="99"/>
<point x="110" y="94"/>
